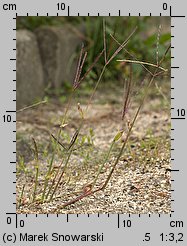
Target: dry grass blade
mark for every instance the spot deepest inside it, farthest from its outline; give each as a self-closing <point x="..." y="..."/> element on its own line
<point x="105" y="65"/>
<point x="121" y="46"/>
<point x="113" y="38"/>
<point x="167" y="50"/>
<point x="144" y="63"/>
<point x="31" y="106"/>
<point x="85" y="193"/>
<point x="78" y="198"/>
<point x="111" y="43"/>
<point x="159" y="73"/>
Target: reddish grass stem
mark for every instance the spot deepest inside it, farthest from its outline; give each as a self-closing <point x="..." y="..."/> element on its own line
<point x="103" y="186"/>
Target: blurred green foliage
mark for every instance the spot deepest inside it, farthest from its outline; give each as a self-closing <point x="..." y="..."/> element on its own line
<point x="142" y="45"/>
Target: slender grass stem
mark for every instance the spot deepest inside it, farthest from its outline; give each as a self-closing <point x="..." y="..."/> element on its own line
<point x="103" y="163"/>
<point x="37" y="170"/>
<point x="60" y="178"/>
<point x="121" y="46"/>
<point x="75" y="86"/>
<point x="72" y="142"/>
<point x="31" y="106"/>
<point x="95" y="88"/>
<point x="77" y="134"/>
<point x="54" y="179"/>
<point x="55" y="147"/>
<point x="134" y="119"/>
<point x="71" y="150"/>
<point x="81" y="124"/>
<point x="35" y="183"/>
<point x="21" y="196"/>
<point x="89" y="191"/>
<point x="104" y="40"/>
<point x="133" y="57"/>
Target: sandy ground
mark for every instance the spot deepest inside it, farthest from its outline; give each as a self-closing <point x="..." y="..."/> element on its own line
<point x="141" y="181"/>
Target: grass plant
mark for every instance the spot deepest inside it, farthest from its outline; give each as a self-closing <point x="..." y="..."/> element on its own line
<point x="54" y="177"/>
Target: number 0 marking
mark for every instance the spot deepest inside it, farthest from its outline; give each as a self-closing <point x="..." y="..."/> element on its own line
<point x="165" y="6"/>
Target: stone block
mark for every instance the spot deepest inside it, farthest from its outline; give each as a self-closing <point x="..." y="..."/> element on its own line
<point x="29" y="70"/>
<point x="57" y="48"/>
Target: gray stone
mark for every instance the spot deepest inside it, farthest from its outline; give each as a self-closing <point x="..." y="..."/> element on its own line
<point x="57" y="48"/>
<point x="29" y="76"/>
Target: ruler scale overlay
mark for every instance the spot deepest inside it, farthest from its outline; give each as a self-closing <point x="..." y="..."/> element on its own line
<point x="97" y="229"/>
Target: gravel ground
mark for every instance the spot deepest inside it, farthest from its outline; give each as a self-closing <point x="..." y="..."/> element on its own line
<point x="131" y="190"/>
<point x="141" y="183"/>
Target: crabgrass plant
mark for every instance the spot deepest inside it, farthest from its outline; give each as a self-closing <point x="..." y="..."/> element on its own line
<point x="89" y="189"/>
<point x="51" y="180"/>
<point x="76" y="84"/>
